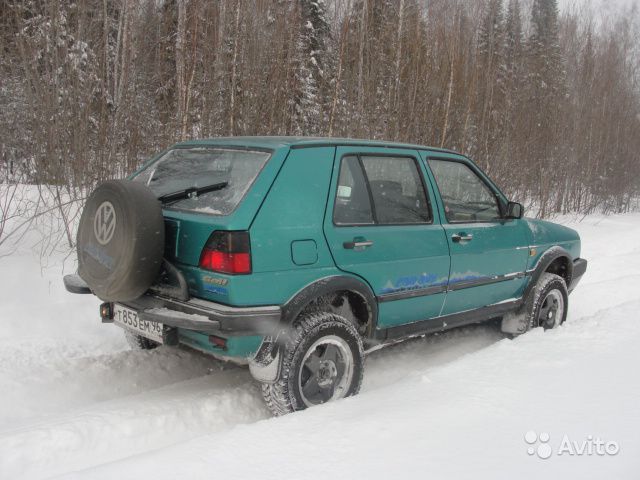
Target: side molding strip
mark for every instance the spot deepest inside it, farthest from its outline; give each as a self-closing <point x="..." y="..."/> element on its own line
<point x="390" y="297"/>
<point x="419" y="292"/>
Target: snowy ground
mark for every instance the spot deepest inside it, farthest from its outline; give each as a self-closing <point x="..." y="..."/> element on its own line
<point x="75" y="402"/>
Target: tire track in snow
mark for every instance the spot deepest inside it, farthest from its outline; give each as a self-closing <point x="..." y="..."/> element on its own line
<point x="130" y="425"/>
<point x="176" y="412"/>
<point x="180" y="407"/>
<point x="437" y="417"/>
<point x="72" y="380"/>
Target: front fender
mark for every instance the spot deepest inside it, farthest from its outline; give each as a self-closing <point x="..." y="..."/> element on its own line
<point x="545" y="234"/>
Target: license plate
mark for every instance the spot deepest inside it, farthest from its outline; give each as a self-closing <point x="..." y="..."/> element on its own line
<point x="129" y="319"/>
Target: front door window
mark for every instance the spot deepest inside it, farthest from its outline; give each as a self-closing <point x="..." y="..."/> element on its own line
<point x="465" y="196"/>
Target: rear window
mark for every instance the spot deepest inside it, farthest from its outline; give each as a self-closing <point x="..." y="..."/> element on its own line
<point x="183" y="168"/>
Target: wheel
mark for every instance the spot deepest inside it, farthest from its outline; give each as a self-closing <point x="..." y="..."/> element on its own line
<point x="550" y="302"/>
<point x="323" y="361"/>
<point x="138" y="342"/>
<point x="545" y="307"/>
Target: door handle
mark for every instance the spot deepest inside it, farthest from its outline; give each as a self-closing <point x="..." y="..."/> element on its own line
<point x="357" y="243"/>
<point x="461" y="237"/>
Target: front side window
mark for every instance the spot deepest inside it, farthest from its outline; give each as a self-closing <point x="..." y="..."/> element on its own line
<point x="194" y="168"/>
<point x="465" y="196"/>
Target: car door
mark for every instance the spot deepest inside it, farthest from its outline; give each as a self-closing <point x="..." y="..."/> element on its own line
<point x="380" y="226"/>
<point x="488" y="252"/>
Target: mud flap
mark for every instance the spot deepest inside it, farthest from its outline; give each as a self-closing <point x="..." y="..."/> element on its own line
<point x="265" y="366"/>
<point x="515" y="323"/>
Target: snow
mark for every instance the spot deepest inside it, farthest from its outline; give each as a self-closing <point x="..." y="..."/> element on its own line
<point x="209" y="210"/>
<point x="77" y="403"/>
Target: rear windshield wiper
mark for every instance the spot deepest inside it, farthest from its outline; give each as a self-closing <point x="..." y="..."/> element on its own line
<point x="190" y="192"/>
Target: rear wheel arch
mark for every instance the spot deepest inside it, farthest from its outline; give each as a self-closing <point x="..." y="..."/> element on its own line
<point x="316" y="298"/>
<point x="336" y="293"/>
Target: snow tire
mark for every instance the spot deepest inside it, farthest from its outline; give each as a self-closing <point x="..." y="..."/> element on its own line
<point x="285" y="394"/>
<point x="138" y="342"/>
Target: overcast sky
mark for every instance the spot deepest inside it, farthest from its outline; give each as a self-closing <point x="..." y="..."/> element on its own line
<point x="600" y="5"/>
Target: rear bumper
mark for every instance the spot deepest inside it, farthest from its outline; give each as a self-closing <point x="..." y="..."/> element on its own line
<point x="196" y="314"/>
<point x="579" y="269"/>
<point x="74" y="284"/>
<point x="207" y="317"/>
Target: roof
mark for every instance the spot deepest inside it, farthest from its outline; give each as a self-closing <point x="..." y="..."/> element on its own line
<point x="272" y="143"/>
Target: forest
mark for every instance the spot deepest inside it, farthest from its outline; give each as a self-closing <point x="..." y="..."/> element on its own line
<point x="547" y="102"/>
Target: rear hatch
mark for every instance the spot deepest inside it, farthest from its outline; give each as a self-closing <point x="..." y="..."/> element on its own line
<point x="206" y="190"/>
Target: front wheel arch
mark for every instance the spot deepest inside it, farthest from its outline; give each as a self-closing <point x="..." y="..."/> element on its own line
<point x="554" y="260"/>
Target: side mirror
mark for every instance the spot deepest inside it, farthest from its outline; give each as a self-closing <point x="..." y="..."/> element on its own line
<point x="515" y="210"/>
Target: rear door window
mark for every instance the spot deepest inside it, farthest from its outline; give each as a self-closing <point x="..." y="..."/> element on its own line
<point x="353" y="204"/>
<point x="397" y="190"/>
<point x="381" y="190"/>
<point x="188" y="168"/>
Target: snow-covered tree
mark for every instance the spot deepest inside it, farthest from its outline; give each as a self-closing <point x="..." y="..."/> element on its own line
<point x="547" y="100"/>
<point x="90" y="89"/>
<point x="491" y="77"/>
<point x="310" y="106"/>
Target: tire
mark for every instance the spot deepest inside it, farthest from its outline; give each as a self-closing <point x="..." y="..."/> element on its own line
<point x="138" y="342"/>
<point x="550" y="303"/>
<point x="120" y="240"/>
<point x="323" y="361"/>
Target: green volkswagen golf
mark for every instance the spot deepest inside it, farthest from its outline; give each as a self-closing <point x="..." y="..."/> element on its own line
<point x="298" y="255"/>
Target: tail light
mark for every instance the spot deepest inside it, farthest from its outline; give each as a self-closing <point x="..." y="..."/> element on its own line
<point x="218" y="342"/>
<point x="227" y="252"/>
<point x="106" y="312"/>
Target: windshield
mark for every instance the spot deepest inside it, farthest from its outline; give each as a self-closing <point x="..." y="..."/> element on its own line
<point x="195" y="168"/>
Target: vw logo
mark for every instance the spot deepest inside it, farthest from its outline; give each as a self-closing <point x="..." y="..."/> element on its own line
<point x="104" y="223"/>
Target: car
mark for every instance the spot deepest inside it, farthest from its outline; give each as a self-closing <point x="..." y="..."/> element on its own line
<point x="299" y="255"/>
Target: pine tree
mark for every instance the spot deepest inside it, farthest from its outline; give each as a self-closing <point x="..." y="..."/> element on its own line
<point x="491" y="32"/>
<point x="547" y="101"/>
<point x="544" y="46"/>
<point x="165" y="75"/>
<point x="310" y="106"/>
<point x="491" y="80"/>
<point x="514" y="63"/>
<point x="513" y="41"/>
